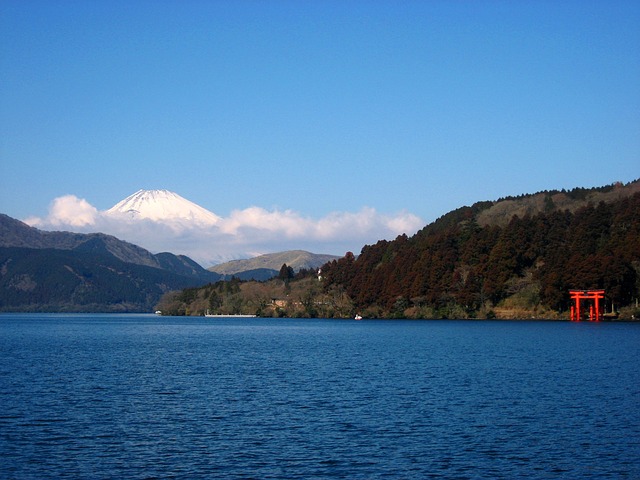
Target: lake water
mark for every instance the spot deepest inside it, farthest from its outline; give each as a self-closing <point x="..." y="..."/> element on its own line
<point x="137" y="396"/>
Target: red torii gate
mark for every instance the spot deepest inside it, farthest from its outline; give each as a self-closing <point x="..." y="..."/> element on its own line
<point x="578" y="295"/>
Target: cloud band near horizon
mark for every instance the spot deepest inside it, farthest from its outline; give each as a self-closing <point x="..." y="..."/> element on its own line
<point x="244" y="233"/>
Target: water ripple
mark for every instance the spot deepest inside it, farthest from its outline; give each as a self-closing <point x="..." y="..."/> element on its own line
<point x="150" y="398"/>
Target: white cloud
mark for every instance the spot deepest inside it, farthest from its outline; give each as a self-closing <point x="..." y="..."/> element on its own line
<point x="288" y="222"/>
<point x="244" y="233"/>
<point x="68" y="210"/>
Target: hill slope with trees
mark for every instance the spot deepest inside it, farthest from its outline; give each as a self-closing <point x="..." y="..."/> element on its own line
<point x="512" y="258"/>
<point x="460" y="267"/>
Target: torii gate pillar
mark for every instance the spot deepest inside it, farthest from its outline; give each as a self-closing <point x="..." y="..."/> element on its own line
<point x="595" y="295"/>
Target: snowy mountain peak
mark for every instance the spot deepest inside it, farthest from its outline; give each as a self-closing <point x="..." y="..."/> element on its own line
<point x="162" y="205"/>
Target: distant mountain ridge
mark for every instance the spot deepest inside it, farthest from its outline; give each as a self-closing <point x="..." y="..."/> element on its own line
<point x="63" y="271"/>
<point x="266" y="266"/>
<point x="14" y="233"/>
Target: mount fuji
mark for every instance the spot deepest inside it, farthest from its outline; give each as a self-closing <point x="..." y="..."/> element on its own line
<point x="162" y="206"/>
<point x="163" y="221"/>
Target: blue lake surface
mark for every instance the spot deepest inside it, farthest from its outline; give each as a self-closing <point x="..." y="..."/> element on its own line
<point x="140" y="396"/>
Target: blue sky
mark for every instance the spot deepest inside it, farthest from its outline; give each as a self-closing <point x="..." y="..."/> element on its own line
<point x="316" y="107"/>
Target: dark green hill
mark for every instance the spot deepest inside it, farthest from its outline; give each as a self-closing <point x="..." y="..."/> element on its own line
<point x="513" y="258"/>
<point x="183" y="265"/>
<point x="14" y="233"/>
<point x="517" y="254"/>
<point x="62" y="271"/>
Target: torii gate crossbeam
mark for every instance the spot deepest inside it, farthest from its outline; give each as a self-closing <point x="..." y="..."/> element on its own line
<point x="595" y="295"/>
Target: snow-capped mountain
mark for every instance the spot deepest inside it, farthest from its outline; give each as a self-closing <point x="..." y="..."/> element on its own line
<point x="162" y="206"/>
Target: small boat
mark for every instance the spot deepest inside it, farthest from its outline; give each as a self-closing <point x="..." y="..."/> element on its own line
<point x="357" y="317"/>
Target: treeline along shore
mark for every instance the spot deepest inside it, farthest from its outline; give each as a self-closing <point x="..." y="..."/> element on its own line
<point x="517" y="257"/>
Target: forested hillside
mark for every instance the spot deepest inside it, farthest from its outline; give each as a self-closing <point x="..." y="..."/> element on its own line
<point x="512" y="258"/>
<point x="457" y="268"/>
